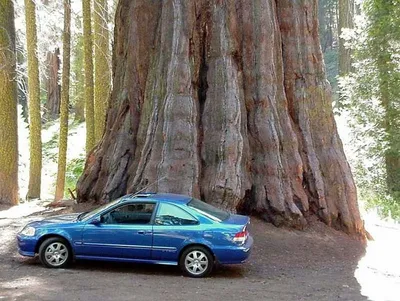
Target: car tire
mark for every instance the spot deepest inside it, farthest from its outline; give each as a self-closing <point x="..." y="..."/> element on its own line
<point x="55" y="252"/>
<point x="196" y="262"/>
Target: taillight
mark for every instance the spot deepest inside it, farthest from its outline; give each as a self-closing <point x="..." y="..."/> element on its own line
<point x="241" y="236"/>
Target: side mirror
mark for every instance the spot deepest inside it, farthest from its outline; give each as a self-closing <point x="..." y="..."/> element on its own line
<point x="95" y="221"/>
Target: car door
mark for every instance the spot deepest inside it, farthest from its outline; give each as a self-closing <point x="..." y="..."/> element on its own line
<point x="124" y="232"/>
<point x="173" y="228"/>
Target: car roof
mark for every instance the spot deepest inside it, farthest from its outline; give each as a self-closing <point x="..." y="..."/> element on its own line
<point x="160" y="197"/>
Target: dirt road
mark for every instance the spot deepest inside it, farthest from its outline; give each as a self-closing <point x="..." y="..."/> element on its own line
<point x="317" y="264"/>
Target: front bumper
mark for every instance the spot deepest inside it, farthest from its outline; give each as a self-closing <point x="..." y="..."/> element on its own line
<point x="26" y="245"/>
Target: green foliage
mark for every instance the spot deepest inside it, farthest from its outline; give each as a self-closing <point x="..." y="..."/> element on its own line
<point x="74" y="171"/>
<point x="370" y="178"/>
<point x="49" y="148"/>
<point x="371" y="95"/>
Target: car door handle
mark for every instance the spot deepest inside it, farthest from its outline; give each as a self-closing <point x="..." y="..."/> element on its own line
<point x="142" y="232"/>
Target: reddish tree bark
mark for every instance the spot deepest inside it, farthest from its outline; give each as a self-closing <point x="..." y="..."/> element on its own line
<point x="227" y="101"/>
<point x="53" y="85"/>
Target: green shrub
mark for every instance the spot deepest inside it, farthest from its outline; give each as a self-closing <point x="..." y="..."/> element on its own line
<point x="74" y="170"/>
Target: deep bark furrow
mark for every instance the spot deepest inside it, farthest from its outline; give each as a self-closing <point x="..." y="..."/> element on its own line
<point x="179" y="149"/>
<point x="277" y="165"/>
<point x="171" y="142"/>
<point x="309" y="94"/>
<point x="223" y="150"/>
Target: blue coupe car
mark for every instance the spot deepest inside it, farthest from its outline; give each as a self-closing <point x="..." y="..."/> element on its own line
<point x="148" y="228"/>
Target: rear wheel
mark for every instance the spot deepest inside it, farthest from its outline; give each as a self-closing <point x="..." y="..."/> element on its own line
<point x="54" y="252"/>
<point x="196" y="262"/>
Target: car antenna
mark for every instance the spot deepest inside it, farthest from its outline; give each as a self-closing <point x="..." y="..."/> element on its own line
<point x="147" y="186"/>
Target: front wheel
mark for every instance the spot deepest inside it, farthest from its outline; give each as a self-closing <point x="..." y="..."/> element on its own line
<point x="54" y="252"/>
<point x="196" y="262"/>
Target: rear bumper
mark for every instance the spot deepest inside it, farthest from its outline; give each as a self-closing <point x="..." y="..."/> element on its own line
<point x="235" y="254"/>
<point x="26" y="245"/>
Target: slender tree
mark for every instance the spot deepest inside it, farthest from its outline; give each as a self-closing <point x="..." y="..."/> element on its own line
<point x="102" y="73"/>
<point x="346" y="20"/>
<point x="8" y="106"/>
<point x="78" y="84"/>
<point x="35" y="124"/>
<point x="89" y="93"/>
<point x="63" y="143"/>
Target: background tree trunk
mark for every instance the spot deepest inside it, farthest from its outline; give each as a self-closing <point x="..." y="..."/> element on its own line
<point x="35" y="123"/>
<point x="8" y="107"/>
<point x="79" y="87"/>
<point x="89" y="93"/>
<point x="102" y="73"/>
<point x="227" y="101"/>
<point x="53" y="85"/>
<point x="63" y="143"/>
<point x="346" y="20"/>
<point x="327" y="23"/>
<point x="22" y="86"/>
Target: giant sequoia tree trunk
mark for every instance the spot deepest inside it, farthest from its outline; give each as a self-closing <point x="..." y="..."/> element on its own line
<point x="227" y="101"/>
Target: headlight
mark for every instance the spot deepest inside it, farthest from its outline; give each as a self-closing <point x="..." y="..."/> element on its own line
<point x="28" y="231"/>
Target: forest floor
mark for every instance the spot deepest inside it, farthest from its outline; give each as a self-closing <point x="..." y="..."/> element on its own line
<point x="316" y="264"/>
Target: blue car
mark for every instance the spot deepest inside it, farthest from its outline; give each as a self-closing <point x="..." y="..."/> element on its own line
<point x="153" y="228"/>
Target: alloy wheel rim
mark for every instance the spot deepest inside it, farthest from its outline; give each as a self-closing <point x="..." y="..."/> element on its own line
<point x="196" y="262"/>
<point x="56" y="254"/>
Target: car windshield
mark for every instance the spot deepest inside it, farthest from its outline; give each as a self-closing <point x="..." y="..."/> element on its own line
<point x="92" y="213"/>
<point x="208" y="210"/>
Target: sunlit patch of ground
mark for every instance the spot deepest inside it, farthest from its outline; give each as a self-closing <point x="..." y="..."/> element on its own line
<point x="378" y="271"/>
<point x="22" y="210"/>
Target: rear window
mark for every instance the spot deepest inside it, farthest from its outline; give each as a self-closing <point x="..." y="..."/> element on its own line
<point x="208" y="210"/>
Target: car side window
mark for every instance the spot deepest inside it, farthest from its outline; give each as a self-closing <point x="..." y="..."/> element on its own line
<point x="171" y="215"/>
<point x="137" y="214"/>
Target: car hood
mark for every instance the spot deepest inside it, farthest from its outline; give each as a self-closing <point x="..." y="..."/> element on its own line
<point x="58" y="219"/>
